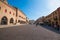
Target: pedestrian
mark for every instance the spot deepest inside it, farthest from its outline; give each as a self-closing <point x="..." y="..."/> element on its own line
<point x="58" y="27"/>
<point x="37" y="24"/>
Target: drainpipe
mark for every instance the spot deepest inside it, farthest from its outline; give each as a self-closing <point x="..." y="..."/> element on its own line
<point x="16" y="14"/>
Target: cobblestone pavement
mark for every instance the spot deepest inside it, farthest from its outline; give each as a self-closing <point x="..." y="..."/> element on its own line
<point x="27" y="32"/>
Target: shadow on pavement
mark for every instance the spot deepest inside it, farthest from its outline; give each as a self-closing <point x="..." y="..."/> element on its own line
<point x="11" y="27"/>
<point x="51" y="28"/>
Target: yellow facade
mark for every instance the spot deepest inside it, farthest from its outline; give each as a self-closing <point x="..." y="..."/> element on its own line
<point x="52" y="19"/>
<point x="21" y="17"/>
<point x="10" y="15"/>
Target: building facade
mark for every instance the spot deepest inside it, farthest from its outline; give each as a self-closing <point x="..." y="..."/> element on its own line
<point x="52" y="19"/>
<point x="21" y="17"/>
<point x="40" y="20"/>
<point x="11" y="15"/>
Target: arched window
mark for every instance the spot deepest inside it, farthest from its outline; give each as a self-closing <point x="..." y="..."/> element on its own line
<point x="18" y="21"/>
<point x="10" y="12"/>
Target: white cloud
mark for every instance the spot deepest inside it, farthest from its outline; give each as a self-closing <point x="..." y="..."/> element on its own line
<point x="53" y="4"/>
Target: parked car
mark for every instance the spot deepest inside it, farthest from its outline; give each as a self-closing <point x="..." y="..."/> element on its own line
<point x="41" y="23"/>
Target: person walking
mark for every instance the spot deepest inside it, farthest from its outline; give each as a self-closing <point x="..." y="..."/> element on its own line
<point x="58" y="27"/>
<point x="37" y="24"/>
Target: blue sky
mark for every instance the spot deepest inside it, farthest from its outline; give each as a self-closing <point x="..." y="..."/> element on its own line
<point x="35" y="8"/>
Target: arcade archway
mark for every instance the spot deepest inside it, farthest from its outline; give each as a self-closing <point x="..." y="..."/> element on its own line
<point x="4" y="20"/>
<point x="11" y="20"/>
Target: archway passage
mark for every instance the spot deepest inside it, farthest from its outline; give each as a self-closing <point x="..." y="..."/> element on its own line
<point x="11" y="20"/>
<point x="18" y="21"/>
<point x="4" y="20"/>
